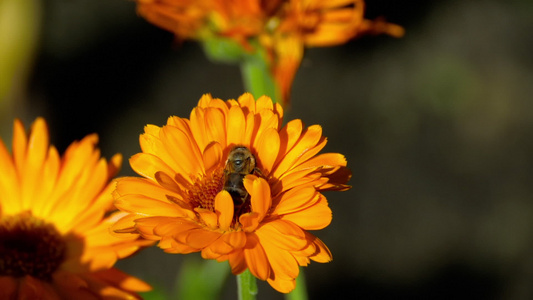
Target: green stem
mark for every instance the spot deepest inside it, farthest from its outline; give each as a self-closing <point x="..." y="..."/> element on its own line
<point x="300" y="292"/>
<point x="246" y="286"/>
<point x="257" y="78"/>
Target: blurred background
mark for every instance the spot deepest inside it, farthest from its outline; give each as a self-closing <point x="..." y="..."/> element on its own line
<point x="437" y="128"/>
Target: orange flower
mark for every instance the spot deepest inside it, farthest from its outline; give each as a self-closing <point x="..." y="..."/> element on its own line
<point x="283" y="28"/>
<point x="54" y="222"/>
<point x="202" y="19"/>
<point x="233" y="184"/>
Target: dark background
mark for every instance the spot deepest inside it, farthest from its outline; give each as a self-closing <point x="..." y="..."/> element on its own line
<point x="437" y="128"/>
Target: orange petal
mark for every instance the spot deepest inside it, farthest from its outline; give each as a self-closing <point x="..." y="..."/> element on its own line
<point x="249" y="221"/>
<point x="255" y="257"/>
<point x="228" y="242"/>
<point x="264" y="103"/>
<point x="9" y="186"/>
<point x="184" y="156"/>
<point x="36" y="153"/>
<point x="167" y="182"/>
<point x="141" y="186"/>
<point x="147" y="165"/>
<point x="151" y="143"/>
<point x="237" y="262"/>
<point x="236" y="126"/>
<point x="324" y="160"/>
<point x="296" y="199"/>
<point x="126" y="224"/>
<point x="198" y="127"/>
<point x="172" y="226"/>
<point x="215" y="124"/>
<point x="219" y="104"/>
<point x="283" y="235"/>
<point x="250" y="129"/>
<point x="177" y="248"/>
<point x="282" y="285"/>
<point x="289" y="51"/>
<point x="314" y="217"/>
<point x="247" y="101"/>
<point x="259" y="194"/>
<point x="268" y="149"/>
<point x="337" y="180"/>
<point x="19" y="144"/>
<point x="151" y="227"/>
<point x="299" y="178"/>
<point x="310" y="143"/>
<point x="205" y="100"/>
<point x="212" y="156"/>
<point x="264" y="121"/>
<point x="71" y="286"/>
<point x="200" y="238"/>
<point x="322" y="253"/>
<point x="181" y="123"/>
<point x="141" y="204"/>
<point x="152" y="129"/>
<point x="290" y="134"/>
<point x="208" y="217"/>
<point x="283" y="264"/>
<point x="224" y="209"/>
<point x="123" y="280"/>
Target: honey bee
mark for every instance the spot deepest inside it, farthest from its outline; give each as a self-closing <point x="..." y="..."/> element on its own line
<point x="240" y="163"/>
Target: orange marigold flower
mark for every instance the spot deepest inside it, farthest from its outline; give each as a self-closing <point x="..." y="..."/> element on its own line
<point x="282" y="27"/>
<point x="233" y="184"/>
<point x="54" y="221"/>
<point x="202" y="19"/>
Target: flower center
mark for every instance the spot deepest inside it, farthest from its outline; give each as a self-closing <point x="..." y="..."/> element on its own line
<point x="202" y="193"/>
<point x="29" y="246"/>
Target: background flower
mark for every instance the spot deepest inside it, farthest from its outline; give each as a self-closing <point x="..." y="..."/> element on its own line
<point x="182" y="201"/>
<point x="54" y="221"/>
<point x="270" y="33"/>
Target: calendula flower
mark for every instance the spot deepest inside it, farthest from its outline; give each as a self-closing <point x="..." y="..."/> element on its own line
<point x="234" y="184"/>
<point x="54" y="221"/>
<point x="276" y="30"/>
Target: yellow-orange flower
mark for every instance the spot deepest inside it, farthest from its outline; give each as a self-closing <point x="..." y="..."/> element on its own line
<point x="282" y="27"/>
<point x="182" y="201"/>
<point x="54" y="221"/>
<point x="202" y="19"/>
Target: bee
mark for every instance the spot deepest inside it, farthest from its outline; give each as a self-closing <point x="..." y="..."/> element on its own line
<point x="240" y="163"/>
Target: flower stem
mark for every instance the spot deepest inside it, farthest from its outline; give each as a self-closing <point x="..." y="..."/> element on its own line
<point x="246" y="286"/>
<point x="257" y="78"/>
<point x="300" y="292"/>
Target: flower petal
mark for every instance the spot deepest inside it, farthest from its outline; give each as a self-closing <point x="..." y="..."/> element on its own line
<point x="149" y="207"/>
<point x="255" y="257"/>
<point x="224" y="209"/>
<point x="259" y="194"/>
<point x="236" y="126"/>
<point x="268" y="149"/>
<point x="147" y="165"/>
<point x="212" y="157"/>
<point x="315" y="217"/>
